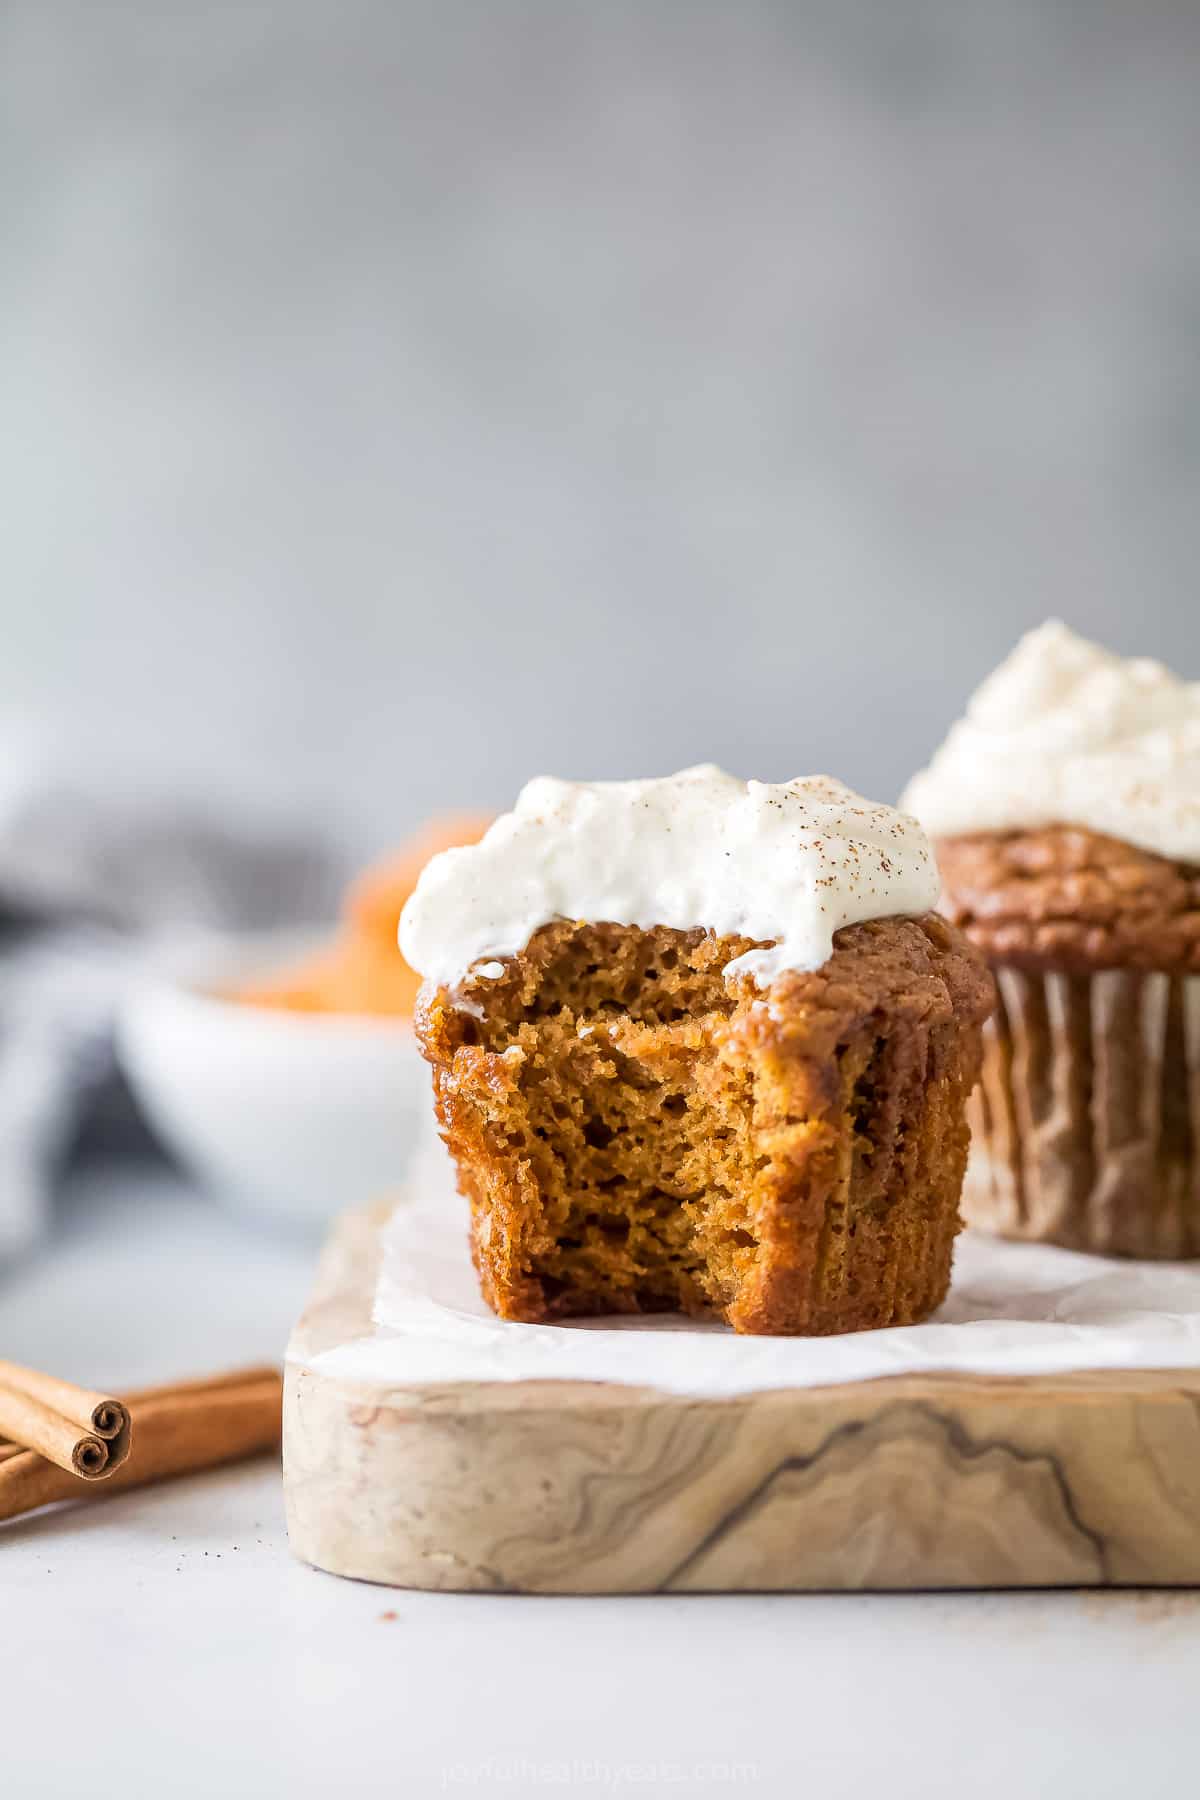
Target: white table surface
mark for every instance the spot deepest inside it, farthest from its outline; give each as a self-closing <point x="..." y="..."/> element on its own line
<point x="166" y="1642"/>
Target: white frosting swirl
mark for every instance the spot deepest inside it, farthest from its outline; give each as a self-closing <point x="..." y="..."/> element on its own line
<point x="1066" y="733"/>
<point x="789" y="863"/>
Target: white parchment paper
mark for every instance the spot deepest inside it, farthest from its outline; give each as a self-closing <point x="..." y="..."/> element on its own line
<point x="1013" y="1309"/>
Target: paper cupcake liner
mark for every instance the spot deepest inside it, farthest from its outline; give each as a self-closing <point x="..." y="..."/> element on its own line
<point x="1086" y="1122"/>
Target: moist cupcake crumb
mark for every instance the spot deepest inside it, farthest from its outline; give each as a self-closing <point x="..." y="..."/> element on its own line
<point x="671" y="1137"/>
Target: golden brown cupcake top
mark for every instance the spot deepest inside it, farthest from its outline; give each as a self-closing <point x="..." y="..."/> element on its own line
<point x="1065" y="898"/>
<point x="920" y="969"/>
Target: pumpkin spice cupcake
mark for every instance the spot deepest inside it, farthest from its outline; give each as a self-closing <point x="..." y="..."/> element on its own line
<point x="701" y="1045"/>
<point x="1065" y="808"/>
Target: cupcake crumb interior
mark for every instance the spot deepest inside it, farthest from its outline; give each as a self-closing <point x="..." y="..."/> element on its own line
<point x="639" y="1131"/>
<point x="612" y="1095"/>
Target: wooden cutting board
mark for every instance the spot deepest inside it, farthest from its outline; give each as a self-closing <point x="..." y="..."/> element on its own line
<point x="589" y="1487"/>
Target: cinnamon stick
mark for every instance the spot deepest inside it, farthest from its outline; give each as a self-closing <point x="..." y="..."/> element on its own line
<point x="180" y="1429"/>
<point x="85" y="1433"/>
<point x="94" y="1412"/>
<point x="208" y="1384"/>
<point x="36" y="1427"/>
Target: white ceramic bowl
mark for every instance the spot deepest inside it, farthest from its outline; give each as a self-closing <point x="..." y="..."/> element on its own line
<point x="287" y="1114"/>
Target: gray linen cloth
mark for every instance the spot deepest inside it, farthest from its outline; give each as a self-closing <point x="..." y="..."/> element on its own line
<point x="87" y="885"/>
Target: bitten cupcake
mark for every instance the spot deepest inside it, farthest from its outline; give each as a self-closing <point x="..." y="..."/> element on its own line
<point x="1065" y="808"/>
<point x="701" y="1045"/>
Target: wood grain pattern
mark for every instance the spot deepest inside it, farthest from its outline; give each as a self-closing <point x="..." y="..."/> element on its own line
<point x="574" y="1487"/>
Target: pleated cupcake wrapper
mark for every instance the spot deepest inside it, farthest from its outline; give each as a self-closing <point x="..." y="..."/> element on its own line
<point x="1086" y="1123"/>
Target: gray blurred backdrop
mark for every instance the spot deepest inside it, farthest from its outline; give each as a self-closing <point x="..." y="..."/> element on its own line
<point x="402" y="398"/>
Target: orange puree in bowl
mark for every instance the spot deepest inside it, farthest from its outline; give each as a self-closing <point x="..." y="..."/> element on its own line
<point x="362" y="970"/>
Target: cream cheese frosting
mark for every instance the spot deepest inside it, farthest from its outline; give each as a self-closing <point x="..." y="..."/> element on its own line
<point x="1066" y="733"/>
<point x="785" y="863"/>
